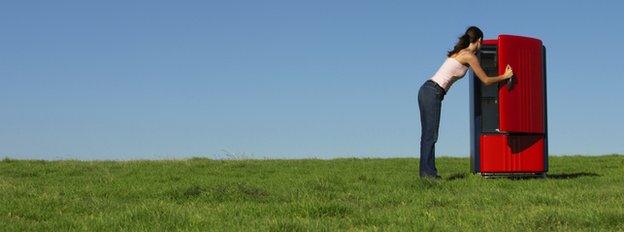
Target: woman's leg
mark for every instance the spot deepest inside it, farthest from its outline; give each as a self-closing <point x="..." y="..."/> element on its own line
<point x="430" y="104"/>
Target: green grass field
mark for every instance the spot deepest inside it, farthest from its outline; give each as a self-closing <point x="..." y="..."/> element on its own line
<point x="582" y="193"/>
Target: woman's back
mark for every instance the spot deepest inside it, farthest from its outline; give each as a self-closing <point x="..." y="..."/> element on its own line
<point x="450" y="71"/>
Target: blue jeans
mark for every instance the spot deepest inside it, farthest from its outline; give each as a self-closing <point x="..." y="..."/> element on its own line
<point x="430" y="98"/>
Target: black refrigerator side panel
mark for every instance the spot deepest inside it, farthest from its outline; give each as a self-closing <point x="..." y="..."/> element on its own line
<point x="545" y="111"/>
<point x="475" y="121"/>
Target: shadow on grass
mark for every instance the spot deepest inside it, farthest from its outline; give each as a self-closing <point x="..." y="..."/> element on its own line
<point x="558" y="176"/>
<point x="456" y="176"/>
<point x="571" y="175"/>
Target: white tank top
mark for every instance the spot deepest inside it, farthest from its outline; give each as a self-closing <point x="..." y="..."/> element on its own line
<point x="450" y="71"/>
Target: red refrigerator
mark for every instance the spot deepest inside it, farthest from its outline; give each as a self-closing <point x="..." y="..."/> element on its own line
<point x="508" y="119"/>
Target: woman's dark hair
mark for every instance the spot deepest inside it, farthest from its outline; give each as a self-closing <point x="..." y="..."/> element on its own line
<point x="472" y="35"/>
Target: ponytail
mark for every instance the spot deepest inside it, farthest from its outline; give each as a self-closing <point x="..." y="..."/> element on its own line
<point x="471" y="35"/>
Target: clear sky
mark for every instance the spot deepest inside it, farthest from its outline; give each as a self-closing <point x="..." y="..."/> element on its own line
<point x="282" y="79"/>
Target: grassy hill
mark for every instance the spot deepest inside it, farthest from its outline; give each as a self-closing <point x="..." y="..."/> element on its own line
<point x="581" y="193"/>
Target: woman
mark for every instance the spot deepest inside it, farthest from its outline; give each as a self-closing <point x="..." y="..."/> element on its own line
<point x="433" y="90"/>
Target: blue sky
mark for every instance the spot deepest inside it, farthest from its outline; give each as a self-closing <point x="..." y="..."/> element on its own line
<point x="282" y="79"/>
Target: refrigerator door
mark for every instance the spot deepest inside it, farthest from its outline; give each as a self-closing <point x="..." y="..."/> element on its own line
<point x="508" y="153"/>
<point x="521" y="103"/>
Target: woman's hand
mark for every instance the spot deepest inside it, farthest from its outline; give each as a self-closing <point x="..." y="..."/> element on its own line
<point x="508" y="72"/>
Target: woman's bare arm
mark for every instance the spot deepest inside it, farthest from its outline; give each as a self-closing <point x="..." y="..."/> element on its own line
<point x="472" y="60"/>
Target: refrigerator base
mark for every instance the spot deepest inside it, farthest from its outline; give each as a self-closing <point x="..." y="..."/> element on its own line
<point x="492" y="175"/>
